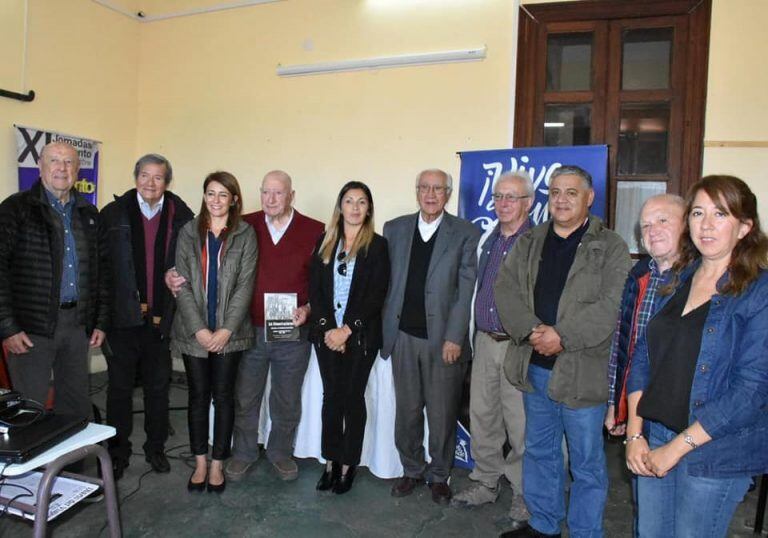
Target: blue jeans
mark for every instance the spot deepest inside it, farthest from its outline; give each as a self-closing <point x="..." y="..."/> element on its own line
<point x="681" y="505"/>
<point x="544" y="469"/>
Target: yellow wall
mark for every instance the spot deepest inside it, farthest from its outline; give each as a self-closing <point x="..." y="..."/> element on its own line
<point x="209" y="96"/>
<point x="203" y="90"/>
<point x="82" y="63"/>
<point x="737" y="100"/>
<point x="11" y="44"/>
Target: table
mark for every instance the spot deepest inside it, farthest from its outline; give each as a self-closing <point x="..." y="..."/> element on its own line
<point x="379" y="451"/>
<point x="71" y="450"/>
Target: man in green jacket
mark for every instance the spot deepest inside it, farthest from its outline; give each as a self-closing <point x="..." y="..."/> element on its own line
<point x="557" y="295"/>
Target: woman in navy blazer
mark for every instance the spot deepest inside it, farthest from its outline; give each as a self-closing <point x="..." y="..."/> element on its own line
<point x="698" y="386"/>
<point x="349" y="278"/>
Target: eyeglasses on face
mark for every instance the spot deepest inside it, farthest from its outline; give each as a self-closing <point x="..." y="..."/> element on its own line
<point x="437" y="189"/>
<point x="498" y="197"/>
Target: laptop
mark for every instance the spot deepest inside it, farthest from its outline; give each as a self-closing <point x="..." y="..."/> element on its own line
<point x="24" y="443"/>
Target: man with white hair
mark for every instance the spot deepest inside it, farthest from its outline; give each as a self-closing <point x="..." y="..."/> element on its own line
<point x="496" y="407"/>
<point x="661" y="224"/>
<point x="53" y="284"/>
<point x="286" y="241"/>
<point x="425" y="321"/>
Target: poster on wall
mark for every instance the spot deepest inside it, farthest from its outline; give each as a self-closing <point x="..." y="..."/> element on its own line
<point x="29" y="144"/>
<point x="480" y="169"/>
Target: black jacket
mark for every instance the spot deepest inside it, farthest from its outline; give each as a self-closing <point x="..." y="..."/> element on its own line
<point x="370" y="282"/>
<point x="31" y="243"/>
<point x="116" y="222"/>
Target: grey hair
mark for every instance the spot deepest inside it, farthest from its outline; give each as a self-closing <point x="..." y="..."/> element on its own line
<point x="153" y="158"/>
<point x="280" y="175"/>
<point x="666" y="197"/>
<point x="573" y="170"/>
<point x="518" y="175"/>
<point x="446" y="175"/>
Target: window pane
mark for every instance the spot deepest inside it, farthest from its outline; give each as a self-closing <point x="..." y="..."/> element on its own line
<point x="567" y="125"/>
<point x="569" y="62"/>
<point x="646" y="59"/>
<point x="630" y="196"/>
<point x="643" y="139"/>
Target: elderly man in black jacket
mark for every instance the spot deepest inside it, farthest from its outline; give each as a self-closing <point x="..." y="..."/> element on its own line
<point x="141" y="227"/>
<point x="53" y="284"/>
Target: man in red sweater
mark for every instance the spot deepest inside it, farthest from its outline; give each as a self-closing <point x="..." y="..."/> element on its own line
<point x="286" y="242"/>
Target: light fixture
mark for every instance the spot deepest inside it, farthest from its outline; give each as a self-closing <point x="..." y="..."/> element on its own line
<point x="553" y="124"/>
<point x="382" y="62"/>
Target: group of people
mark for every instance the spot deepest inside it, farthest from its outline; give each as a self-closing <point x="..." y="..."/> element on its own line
<point x="553" y="317"/>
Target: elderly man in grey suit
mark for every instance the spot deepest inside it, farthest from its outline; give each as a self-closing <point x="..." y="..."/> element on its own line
<point x="425" y="324"/>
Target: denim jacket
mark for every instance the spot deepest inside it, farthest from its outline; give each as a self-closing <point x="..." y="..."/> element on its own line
<point x="729" y="395"/>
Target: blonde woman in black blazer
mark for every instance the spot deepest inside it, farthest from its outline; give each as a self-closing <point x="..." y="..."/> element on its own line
<point x="348" y="283"/>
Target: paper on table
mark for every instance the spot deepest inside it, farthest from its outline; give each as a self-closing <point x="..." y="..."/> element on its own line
<point x="65" y="494"/>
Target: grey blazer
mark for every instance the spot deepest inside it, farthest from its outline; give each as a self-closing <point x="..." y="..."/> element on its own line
<point x="236" y="280"/>
<point x="450" y="282"/>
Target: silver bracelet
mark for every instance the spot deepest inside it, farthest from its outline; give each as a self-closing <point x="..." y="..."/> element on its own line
<point x="688" y="440"/>
<point x="633" y="438"/>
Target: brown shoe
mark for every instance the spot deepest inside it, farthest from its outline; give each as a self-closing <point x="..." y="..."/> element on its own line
<point x="441" y="493"/>
<point x="405" y="485"/>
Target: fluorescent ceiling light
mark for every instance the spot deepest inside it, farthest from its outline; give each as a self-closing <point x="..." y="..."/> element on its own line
<point x="551" y="124"/>
<point x="423" y="58"/>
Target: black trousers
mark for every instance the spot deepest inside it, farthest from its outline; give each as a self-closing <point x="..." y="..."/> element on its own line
<point x="345" y="377"/>
<point x="211" y="378"/>
<point x="143" y="349"/>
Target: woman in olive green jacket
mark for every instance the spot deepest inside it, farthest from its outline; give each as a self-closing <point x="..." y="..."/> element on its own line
<point x="216" y="254"/>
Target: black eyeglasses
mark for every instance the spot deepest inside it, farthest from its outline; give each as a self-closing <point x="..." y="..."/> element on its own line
<point x="342" y="268"/>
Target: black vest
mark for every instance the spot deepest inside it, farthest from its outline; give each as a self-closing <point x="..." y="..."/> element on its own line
<point x="413" y="318"/>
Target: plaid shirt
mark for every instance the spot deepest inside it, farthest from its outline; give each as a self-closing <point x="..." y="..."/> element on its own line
<point x="643" y="315"/>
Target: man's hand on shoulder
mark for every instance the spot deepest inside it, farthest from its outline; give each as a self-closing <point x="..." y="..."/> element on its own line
<point x="18" y="343"/>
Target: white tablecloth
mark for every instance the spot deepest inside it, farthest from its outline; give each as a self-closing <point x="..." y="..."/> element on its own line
<point x="379" y="452"/>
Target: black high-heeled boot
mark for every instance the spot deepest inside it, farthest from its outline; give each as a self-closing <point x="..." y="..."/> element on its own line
<point x="344" y="484"/>
<point x="329" y="478"/>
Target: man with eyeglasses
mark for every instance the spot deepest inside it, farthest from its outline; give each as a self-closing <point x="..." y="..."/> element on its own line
<point x="495" y="406"/>
<point x="558" y="293"/>
<point x="425" y="321"/>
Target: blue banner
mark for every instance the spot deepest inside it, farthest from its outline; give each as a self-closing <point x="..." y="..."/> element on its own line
<point x="479" y="170"/>
<point x="29" y="144"/>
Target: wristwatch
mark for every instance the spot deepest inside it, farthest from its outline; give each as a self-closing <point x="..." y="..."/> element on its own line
<point x="688" y="439"/>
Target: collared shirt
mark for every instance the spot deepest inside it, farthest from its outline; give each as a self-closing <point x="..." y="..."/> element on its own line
<point x="146" y="209"/>
<point x="341" y="286"/>
<point x="428" y="229"/>
<point x="486" y="315"/>
<point x="644" y="312"/>
<point x="69" y="290"/>
<point x="276" y="234"/>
